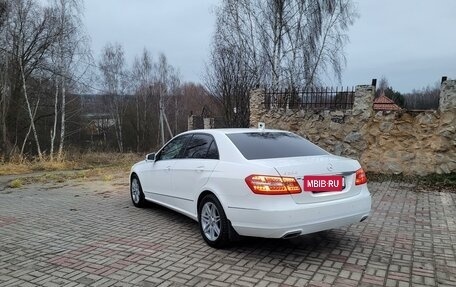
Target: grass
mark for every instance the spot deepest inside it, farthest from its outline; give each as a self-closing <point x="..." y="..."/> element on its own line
<point x="78" y="161"/>
<point x="101" y="166"/>
<point x="438" y="182"/>
<point x="16" y="183"/>
<point x="107" y="177"/>
<point x="99" y="173"/>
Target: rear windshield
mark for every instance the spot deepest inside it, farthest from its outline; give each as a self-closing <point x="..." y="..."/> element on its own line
<point x="262" y="145"/>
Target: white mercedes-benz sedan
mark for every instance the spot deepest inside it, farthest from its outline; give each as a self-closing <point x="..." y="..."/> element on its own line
<point x="252" y="182"/>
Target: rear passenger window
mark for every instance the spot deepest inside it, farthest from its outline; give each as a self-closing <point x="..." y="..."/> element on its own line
<point x="201" y="146"/>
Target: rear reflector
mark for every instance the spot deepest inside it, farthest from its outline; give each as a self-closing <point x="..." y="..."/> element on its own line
<point x="272" y="185"/>
<point x="360" y="177"/>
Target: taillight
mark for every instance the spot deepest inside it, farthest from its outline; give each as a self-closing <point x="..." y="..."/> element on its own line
<point x="272" y="185"/>
<point x="360" y="177"/>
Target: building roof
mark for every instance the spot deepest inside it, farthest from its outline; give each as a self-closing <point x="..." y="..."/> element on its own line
<point x="383" y="103"/>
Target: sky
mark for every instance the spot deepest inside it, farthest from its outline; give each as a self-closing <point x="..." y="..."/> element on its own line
<point x="410" y="42"/>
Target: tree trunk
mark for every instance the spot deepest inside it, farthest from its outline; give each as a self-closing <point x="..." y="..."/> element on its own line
<point x="29" y="130"/>
<point x="118" y="127"/>
<point x="277" y="45"/>
<point x="176" y="112"/>
<point x="5" y="141"/>
<point x="162" y="128"/>
<point x="29" y="109"/>
<point x="54" y="129"/>
<point x="62" y="123"/>
<point x="120" y="138"/>
<point x="137" y="124"/>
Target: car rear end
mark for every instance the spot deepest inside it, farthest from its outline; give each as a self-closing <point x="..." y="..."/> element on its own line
<point x="292" y="187"/>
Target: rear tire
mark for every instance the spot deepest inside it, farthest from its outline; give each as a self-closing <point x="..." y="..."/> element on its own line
<point x="136" y="193"/>
<point x="214" y="226"/>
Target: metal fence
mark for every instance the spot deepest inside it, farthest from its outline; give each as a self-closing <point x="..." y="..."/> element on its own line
<point x="311" y="99"/>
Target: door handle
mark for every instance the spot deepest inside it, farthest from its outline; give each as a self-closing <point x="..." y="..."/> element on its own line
<point x="168" y="168"/>
<point x="200" y="168"/>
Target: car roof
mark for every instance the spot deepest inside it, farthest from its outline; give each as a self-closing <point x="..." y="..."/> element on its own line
<point x="233" y="131"/>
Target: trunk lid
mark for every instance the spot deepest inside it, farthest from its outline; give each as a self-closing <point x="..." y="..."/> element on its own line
<point x="325" y="165"/>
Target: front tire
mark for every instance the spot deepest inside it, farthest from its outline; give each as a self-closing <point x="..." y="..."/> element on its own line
<point x="137" y="195"/>
<point x="213" y="223"/>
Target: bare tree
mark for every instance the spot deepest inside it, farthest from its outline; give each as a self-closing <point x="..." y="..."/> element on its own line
<point x="143" y="74"/>
<point x="115" y="81"/>
<point x="383" y="84"/>
<point x="426" y="98"/>
<point x="295" y="42"/>
<point x="195" y="99"/>
<point x="41" y="45"/>
<point x="4" y="86"/>
<point x="167" y="81"/>
<point x="230" y="83"/>
<point x="157" y="88"/>
<point x="31" y="114"/>
<point x="3" y="12"/>
<point x="69" y="59"/>
<point x="277" y="43"/>
<point x="29" y="33"/>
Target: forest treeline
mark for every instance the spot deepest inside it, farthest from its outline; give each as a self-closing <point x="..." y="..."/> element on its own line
<point x="56" y="98"/>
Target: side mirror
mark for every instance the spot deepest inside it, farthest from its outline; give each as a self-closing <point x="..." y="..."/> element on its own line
<point x="150" y="157"/>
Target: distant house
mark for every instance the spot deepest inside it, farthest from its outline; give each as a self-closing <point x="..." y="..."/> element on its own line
<point x="383" y="103"/>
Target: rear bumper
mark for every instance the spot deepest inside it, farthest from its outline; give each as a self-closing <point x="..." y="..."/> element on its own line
<point x="300" y="218"/>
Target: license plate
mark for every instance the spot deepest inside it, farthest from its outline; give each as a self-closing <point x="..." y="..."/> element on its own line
<point x="323" y="183"/>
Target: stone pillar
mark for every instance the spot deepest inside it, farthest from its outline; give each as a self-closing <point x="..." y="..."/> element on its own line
<point x="257" y="107"/>
<point x="363" y="105"/>
<point x="447" y="95"/>
<point x="195" y="122"/>
<point x="208" y="123"/>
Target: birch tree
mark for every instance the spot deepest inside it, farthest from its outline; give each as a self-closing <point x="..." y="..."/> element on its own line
<point x="4" y="87"/>
<point x="143" y="74"/>
<point x="115" y="81"/>
<point x="30" y="31"/>
<point x="69" y="58"/>
<point x="167" y="81"/>
<point x="277" y="43"/>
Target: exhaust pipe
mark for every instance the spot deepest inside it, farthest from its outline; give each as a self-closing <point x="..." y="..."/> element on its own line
<point x="364" y="218"/>
<point x="291" y="234"/>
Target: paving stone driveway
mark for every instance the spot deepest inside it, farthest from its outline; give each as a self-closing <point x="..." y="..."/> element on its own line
<point x="90" y="234"/>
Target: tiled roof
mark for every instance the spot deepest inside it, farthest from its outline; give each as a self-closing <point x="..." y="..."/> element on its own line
<point x="383" y="103"/>
<point x="386" y="107"/>
<point x="383" y="100"/>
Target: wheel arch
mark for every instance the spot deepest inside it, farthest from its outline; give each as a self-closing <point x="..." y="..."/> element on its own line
<point x="232" y="234"/>
<point x="201" y="196"/>
<point x="221" y="199"/>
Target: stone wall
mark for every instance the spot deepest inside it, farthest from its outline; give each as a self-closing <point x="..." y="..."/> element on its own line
<point x="411" y="143"/>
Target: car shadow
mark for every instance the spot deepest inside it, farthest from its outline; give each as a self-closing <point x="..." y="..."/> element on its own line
<point x="319" y="242"/>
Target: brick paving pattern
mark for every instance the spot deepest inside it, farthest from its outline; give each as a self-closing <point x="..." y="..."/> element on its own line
<point x="78" y="235"/>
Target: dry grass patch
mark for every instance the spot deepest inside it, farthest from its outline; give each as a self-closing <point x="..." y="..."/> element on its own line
<point x="107" y="177"/>
<point x="88" y="166"/>
<point x="14" y="168"/>
<point x="75" y="161"/>
<point x="16" y="183"/>
<point x="100" y="173"/>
